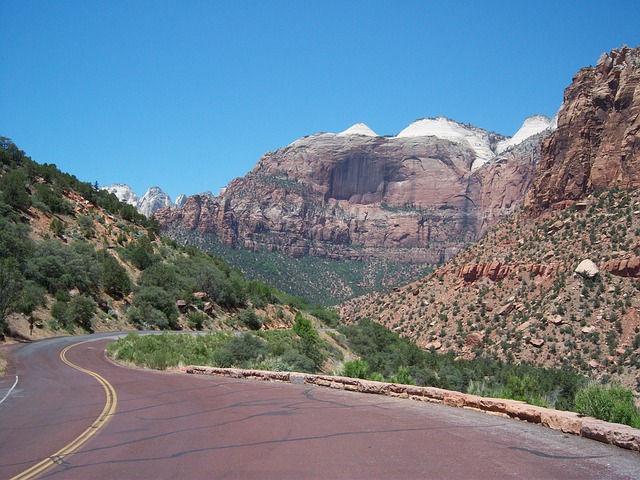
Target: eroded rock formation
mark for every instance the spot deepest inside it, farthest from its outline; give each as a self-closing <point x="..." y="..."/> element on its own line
<point x="416" y="197"/>
<point x="597" y="142"/>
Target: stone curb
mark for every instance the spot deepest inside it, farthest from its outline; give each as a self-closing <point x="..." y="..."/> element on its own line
<point x="567" y="422"/>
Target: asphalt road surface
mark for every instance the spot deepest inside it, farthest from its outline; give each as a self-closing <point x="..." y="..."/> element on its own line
<point x="74" y="414"/>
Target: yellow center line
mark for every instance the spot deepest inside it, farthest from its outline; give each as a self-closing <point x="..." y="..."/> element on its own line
<point x="66" y="451"/>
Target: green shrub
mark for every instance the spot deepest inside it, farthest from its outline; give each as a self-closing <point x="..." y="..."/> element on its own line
<point x="196" y="320"/>
<point x="14" y="190"/>
<point x="609" y="403"/>
<point x="249" y="319"/>
<point x="311" y="345"/>
<point x="295" y="361"/>
<point x="150" y="300"/>
<point x="240" y="350"/>
<point x="140" y="253"/>
<point x="146" y="316"/>
<point x="115" y="278"/>
<point x="329" y="317"/>
<point x="355" y="369"/>
<point x="10" y="288"/>
<point x="164" y="276"/>
<point x="57" y="266"/>
<point x="60" y="312"/>
<point x="403" y="377"/>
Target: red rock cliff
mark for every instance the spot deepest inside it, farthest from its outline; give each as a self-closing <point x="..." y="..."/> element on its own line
<point x="597" y="141"/>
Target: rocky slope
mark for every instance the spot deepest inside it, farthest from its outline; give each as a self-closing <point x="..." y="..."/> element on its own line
<point x="418" y="197"/>
<point x="516" y="294"/>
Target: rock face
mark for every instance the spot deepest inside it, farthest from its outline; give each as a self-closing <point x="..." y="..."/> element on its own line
<point x="417" y="197"/>
<point x="597" y="142"/>
<point x="628" y="267"/>
<point x="154" y="199"/>
<point x="495" y="271"/>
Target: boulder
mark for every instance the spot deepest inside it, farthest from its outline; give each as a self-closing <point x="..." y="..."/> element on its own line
<point x="587" y="269"/>
<point x="537" y="342"/>
<point x="473" y="339"/>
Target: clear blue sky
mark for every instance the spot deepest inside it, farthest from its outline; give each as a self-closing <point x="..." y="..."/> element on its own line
<point x="187" y="95"/>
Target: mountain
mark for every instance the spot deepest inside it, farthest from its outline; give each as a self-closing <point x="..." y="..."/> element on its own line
<point x="75" y="259"/>
<point x="154" y="199"/>
<point x="522" y="292"/>
<point x="123" y="192"/>
<point x="597" y="144"/>
<point x="418" y="197"/>
<point x="532" y="126"/>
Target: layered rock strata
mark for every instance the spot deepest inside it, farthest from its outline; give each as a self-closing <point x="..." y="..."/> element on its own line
<point x="416" y="197"/>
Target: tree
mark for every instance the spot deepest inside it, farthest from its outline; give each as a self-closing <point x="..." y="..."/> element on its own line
<point x="57" y="227"/>
<point x="250" y="319"/>
<point x="151" y="300"/>
<point x="10" y="287"/>
<point x="140" y="253"/>
<point x="309" y="340"/>
<point x="240" y="350"/>
<point x="14" y="190"/>
<point x="164" y="276"/>
<point x="81" y="310"/>
<point x="355" y="369"/>
<point x="115" y="278"/>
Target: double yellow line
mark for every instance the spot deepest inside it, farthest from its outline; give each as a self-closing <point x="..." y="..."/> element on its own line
<point x="101" y="421"/>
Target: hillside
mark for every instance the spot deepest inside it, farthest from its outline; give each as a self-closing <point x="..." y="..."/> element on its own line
<point x="73" y="259"/>
<point x="405" y="203"/>
<point x="514" y="294"/>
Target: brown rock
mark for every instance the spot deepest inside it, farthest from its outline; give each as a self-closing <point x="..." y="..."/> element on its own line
<point x="505" y="309"/>
<point x="597" y="142"/>
<point x="556" y="320"/>
<point x="473" y="339"/>
<point x="182" y="305"/>
<point x="629" y="267"/>
<point x="537" y="342"/>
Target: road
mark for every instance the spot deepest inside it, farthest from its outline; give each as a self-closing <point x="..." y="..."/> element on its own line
<point x="102" y="420"/>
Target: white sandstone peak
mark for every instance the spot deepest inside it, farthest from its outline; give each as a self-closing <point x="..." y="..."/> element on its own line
<point x="532" y="126"/>
<point x="154" y="199"/>
<point x="442" y="127"/>
<point x="359" y="129"/>
<point x="123" y="192"/>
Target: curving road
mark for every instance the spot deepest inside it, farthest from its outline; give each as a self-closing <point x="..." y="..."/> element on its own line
<point x="79" y="416"/>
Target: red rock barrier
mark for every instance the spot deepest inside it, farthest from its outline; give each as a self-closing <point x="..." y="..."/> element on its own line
<point x="567" y="422"/>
